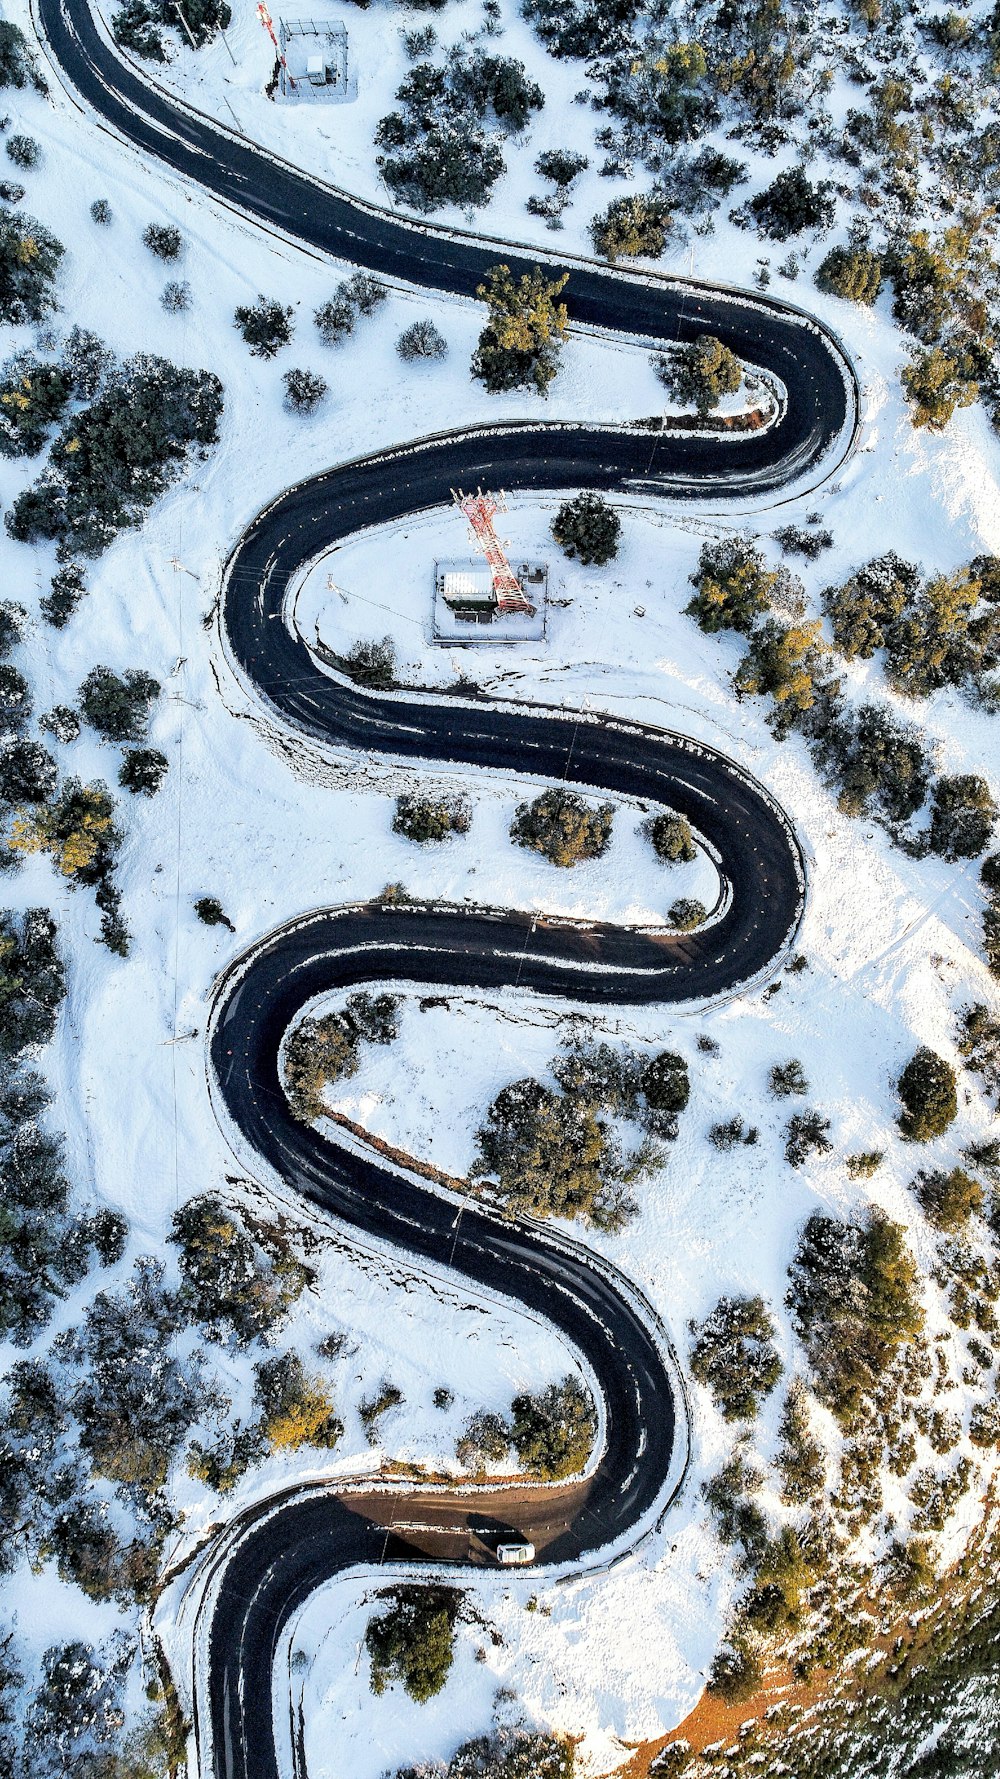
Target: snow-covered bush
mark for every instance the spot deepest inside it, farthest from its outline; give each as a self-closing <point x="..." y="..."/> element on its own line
<point x="412" y="1640"/>
<point x="421" y="340"/>
<point x="29" y="261"/>
<point x="163" y="239"/>
<point x="553" y="1431"/>
<point x="117" y="705"/>
<point x="24" y="151"/>
<point x="733" y="1354"/>
<point x="430" y="818"/>
<point x="142" y="771"/>
<point x="562" y="827"/>
<point x="176" y="296"/>
<point x="520" y="345"/>
<point x="927" y="1088"/>
<point x="304" y="390"/>
<point x="588" y="528"/>
<point x="633" y="227"/>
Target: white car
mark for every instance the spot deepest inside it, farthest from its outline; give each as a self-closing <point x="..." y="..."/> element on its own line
<point x="512" y="1555"/>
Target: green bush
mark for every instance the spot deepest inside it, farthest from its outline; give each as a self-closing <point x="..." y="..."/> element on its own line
<point x="851" y="272"/>
<point x="413" y="1641"/>
<point x="734" y="1356"/>
<point x="701" y="373"/>
<point x="520" y="345"/>
<point x="588" y="528"/>
<point x="563" y="828"/>
<point x="927" y="1088"/>
<point x="672" y="839"/>
<point x="430" y="818"/>
<point x="29" y="261"/>
<point x="633" y="227"/>
<point x="553" y="1432"/>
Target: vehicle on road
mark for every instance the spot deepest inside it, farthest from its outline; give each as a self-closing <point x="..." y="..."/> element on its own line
<point x="512" y="1556"/>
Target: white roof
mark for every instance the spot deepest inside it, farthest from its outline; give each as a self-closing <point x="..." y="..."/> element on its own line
<point x="467" y="584"/>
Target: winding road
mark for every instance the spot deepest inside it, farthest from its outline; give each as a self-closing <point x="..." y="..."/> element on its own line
<point x="268" y="1562"/>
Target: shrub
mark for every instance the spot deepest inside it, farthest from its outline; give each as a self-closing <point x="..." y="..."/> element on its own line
<point x="701" y="373"/>
<point x="783" y="662"/>
<point x="735" y="1357"/>
<point x="633" y="227"/>
<point x="64" y="595"/>
<point x="854" y="1298"/>
<point x="686" y="914"/>
<point x="927" y="1088"/>
<point x="879" y="763"/>
<point x="864" y="610"/>
<point x="212" y="914"/>
<point x="320" y="1051"/>
<point x="787" y="1077"/>
<point x="371" y="1411"/>
<point x="266" y="325"/>
<point x="76" y="829"/>
<point x="963" y="816"/>
<point x="978" y="1043"/>
<point x="949" y="1199"/>
<point x="371" y="664"/>
<point x="520" y="344"/>
<point x="561" y="165"/>
<point x="24" y="151"/>
<point x="101" y="213"/>
<point x="421" y="340"/>
<point x="672" y="839"/>
<point x="11" y="192"/>
<point x="62" y="721"/>
<point x="335" y="319"/>
<point x="805" y="1135"/>
<point x="588" y="528"/>
<point x="792" y="204"/>
<point x="176" y="297"/>
<point x="553" y="1432"/>
<point x="549" y="1154"/>
<point x="429" y="818"/>
<point x="27" y="772"/>
<point x="239" y="1286"/>
<point x="562" y="827"/>
<point x="304" y="391"/>
<point x="485" y="1442"/>
<point x="142" y="771"/>
<point x="163" y="239"/>
<point x="117" y="706"/>
<point x="29" y="261"/>
<point x="32" y="398"/>
<point x="732" y="586"/>
<point x="799" y="1457"/>
<point x="17" y="62"/>
<point x="110" y="462"/>
<point x="851" y="272"/>
<point x="413" y="1641"/>
<point x="939" y="379"/>
<point x="295" y="1410"/>
<point x="863" y="1165"/>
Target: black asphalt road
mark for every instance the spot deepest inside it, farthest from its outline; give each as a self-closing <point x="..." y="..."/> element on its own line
<point x="284" y="1550"/>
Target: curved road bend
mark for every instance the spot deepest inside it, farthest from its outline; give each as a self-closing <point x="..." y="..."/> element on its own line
<point x="818" y="376"/>
<point x="282" y="1555"/>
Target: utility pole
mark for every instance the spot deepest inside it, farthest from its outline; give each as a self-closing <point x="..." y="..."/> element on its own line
<point x="180" y="14"/>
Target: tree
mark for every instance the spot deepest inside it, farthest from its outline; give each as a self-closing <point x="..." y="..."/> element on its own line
<point x="879" y="763"/>
<point x="76" y="829"/>
<point x="429" y="818"/>
<point x="930" y="643"/>
<point x="792" y="204"/>
<point x="864" y="610"/>
<point x="413" y="1641"/>
<point x="266" y="325"/>
<point x="372" y="664"/>
<point x="175" y="297"/>
<point x="851" y="272"/>
<point x="853" y="1294"/>
<point x="563" y="828"/>
<point x="24" y="151"/>
<point x="29" y="261"/>
<point x="118" y="706"/>
<point x="142" y="771"/>
<point x="805" y="1135"/>
<point x="734" y="1356"/>
<point x="212" y="914"/>
<point x="519" y="346"/>
<point x="927" y="1088"/>
<point x="421" y="340"/>
<point x="936" y="382"/>
<point x="239" y="1286"/>
<point x="963" y="816"/>
<point x="633" y="227"/>
<point x="786" y="1078"/>
<point x="27" y="772"/>
<point x="320" y="1051"/>
<point x="548" y="1153"/>
<point x="672" y="840"/>
<point x="304" y="390"/>
<point x="32" y="398"/>
<point x="553" y="1432"/>
<point x="295" y="1409"/>
<point x="979" y="1044"/>
<point x="18" y="67"/>
<point x="164" y="240"/>
<point x="588" y="528"/>
<point x="732" y="585"/>
<point x="687" y="914"/>
<point x="701" y="373"/>
<point x="783" y="662"/>
<point x="949" y="1199"/>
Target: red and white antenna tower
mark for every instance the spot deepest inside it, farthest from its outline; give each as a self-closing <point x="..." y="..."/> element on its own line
<point x="480" y="509"/>
<point x="263" y="13"/>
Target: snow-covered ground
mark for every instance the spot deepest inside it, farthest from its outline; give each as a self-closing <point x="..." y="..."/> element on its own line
<point x="892" y="945"/>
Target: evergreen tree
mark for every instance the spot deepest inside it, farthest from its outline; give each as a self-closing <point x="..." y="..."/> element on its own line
<point x="734" y="1356"/>
<point x="561" y="826"/>
<point x="963" y="816"/>
<point x="413" y="1640"/>
<point x="701" y="373"/>
<point x="29" y="261"/>
<point x="266" y="325"/>
<point x="633" y="227"/>
<point x="588" y="528"/>
<point x="927" y="1088"/>
<point x="851" y="272"/>
<point x="519" y="346"/>
<point x="732" y="585"/>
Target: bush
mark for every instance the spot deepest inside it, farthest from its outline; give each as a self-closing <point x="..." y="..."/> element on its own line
<point x="212" y="914"/>
<point x="799" y="1457"/>
<point x="864" y="610"/>
<point x="633" y="227"/>
<point x="437" y="151"/>
<point x="118" y="706"/>
<point x="792" y="204"/>
<point x="320" y="1051"/>
<point x="687" y="914"/>
<point x="17" y="62"/>
<point x="32" y="986"/>
<point x="854" y="1298"/>
<point x="414" y="1640"/>
<point x="787" y="1077"/>
<point x="304" y="391"/>
<point x="879" y="763"/>
<point x="561" y="165"/>
<point x="851" y="272"/>
<point x="239" y="1285"/>
<point x="701" y="373"/>
<point x="62" y="721"/>
<point x="588" y="528"/>
<point x="163" y="239"/>
<point x="563" y="828"/>
<point x="335" y="319"/>
<point x="421" y="340"/>
<point x="732" y="586"/>
<point x="519" y="346"/>
<point x="64" y="595"/>
<point x="24" y="151"/>
<point x="550" y="1155"/>
<point x="485" y="1443"/>
<point x="553" y="1433"/>
<point x="429" y="818"/>
<point x="29" y="261"/>
<point x="939" y="379"/>
<point x="805" y="1135"/>
<point x="295" y="1410"/>
<point x="784" y="663"/>
<point x="101" y="213"/>
<point x="76" y="829"/>
<point x="371" y="664"/>
<point x="927" y="1088"/>
<point x="142" y="771"/>
<point x="266" y="325"/>
<point x="110" y="462"/>
<point x="734" y="1356"/>
<point x="963" y="816"/>
<point x="27" y="772"/>
<point x="176" y="297"/>
<point x="949" y="1199"/>
<point x="32" y="398"/>
<point x="11" y="192"/>
<point x="672" y="839"/>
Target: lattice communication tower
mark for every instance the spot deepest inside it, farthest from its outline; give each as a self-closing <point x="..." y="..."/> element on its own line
<point x="480" y="510"/>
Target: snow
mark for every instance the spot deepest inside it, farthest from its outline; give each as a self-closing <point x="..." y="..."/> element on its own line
<point x="892" y="944"/>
